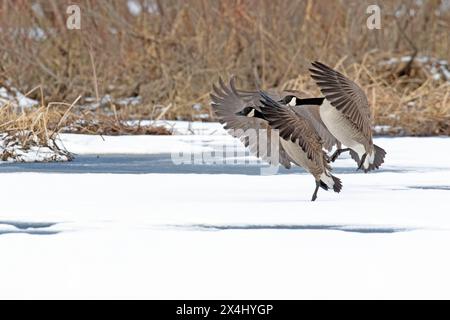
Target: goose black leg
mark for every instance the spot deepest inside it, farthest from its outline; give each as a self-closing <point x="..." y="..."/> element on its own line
<point x="362" y="161"/>
<point x="314" y="197"/>
<point x="337" y="153"/>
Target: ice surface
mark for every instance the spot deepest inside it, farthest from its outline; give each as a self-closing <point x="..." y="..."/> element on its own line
<point x="209" y="236"/>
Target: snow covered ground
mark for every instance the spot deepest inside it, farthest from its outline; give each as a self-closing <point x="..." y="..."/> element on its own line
<point x="153" y="235"/>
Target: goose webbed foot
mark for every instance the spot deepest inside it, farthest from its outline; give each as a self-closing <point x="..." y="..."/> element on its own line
<point x="314" y="197"/>
<point x="337" y="153"/>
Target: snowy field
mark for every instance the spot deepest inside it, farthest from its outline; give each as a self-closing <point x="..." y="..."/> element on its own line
<point x="237" y="235"/>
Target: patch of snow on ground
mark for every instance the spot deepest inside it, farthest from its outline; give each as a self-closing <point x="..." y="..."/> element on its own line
<point x="134" y="7"/>
<point x="192" y="128"/>
<point x="437" y="68"/>
<point x="184" y="127"/>
<point x="382" y="129"/>
<point x="15" y="98"/>
<point x="130" y="101"/>
<point x="91" y="103"/>
<point x="35" y="154"/>
<point x="11" y="150"/>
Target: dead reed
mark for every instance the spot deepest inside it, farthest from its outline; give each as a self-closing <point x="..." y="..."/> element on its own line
<point x="172" y="51"/>
<point x="119" y="123"/>
<point x="33" y="128"/>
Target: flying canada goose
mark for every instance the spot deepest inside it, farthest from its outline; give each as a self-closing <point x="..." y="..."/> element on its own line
<point x="239" y="112"/>
<point x="239" y="109"/>
<point x="346" y="113"/>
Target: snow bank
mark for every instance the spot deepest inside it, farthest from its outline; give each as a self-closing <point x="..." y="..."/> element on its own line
<point x="12" y="150"/>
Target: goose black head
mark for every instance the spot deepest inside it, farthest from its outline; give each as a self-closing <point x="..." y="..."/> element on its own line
<point x="246" y="112"/>
<point x="290" y="100"/>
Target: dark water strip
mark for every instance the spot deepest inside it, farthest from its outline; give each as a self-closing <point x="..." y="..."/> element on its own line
<point x="345" y="228"/>
<point x="149" y="163"/>
<point x="32" y="228"/>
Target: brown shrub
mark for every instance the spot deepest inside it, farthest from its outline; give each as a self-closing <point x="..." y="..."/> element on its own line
<point x="171" y="55"/>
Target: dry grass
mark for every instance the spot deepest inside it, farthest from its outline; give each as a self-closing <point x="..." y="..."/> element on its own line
<point x="119" y="123"/>
<point x="170" y="57"/>
<point x="37" y="127"/>
<point x="46" y="122"/>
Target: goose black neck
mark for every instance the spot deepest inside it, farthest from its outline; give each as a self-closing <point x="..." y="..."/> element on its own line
<point x="310" y="101"/>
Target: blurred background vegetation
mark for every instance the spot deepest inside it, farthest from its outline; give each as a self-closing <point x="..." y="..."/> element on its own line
<point x="166" y="54"/>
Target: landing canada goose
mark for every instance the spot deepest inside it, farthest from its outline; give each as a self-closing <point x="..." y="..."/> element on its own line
<point x="346" y="113"/>
<point x="301" y="141"/>
<point x="239" y="109"/>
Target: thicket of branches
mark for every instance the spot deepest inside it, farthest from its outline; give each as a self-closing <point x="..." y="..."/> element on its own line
<point x="173" y="50"/>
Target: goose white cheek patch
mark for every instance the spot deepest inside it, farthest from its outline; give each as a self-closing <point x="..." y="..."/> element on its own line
<point x="293" y="102"/>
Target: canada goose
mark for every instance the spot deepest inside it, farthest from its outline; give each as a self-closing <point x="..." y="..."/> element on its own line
<point x="346" y="113"/>
<point x="239" y="109"/>
<point x="309" y="108"/>
<point x="301" y="141"/>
